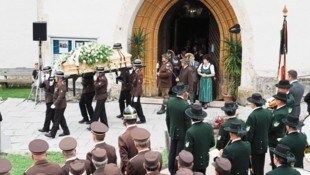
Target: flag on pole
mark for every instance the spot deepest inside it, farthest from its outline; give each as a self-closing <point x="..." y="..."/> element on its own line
<point x="283" y="48"/>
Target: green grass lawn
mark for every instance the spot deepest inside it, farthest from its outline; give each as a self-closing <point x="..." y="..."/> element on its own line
<point x="22" y="162"/>
<point x="14" y="92"/>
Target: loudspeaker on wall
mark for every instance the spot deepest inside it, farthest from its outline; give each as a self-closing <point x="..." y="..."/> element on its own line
<point x="39" y="31"/>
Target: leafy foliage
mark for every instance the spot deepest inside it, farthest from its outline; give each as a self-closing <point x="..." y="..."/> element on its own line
<point x="232" y="63"/>
<point x="138" y="41"/>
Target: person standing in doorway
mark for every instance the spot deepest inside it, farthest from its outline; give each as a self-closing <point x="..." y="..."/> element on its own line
<point x="164" y="81"/>
<point x="206" y="71"/>
<point x="194" y="65"/>
<point x="186" y="76"/>
<point x="87" y="96"/>
<point x="60" y="105"/>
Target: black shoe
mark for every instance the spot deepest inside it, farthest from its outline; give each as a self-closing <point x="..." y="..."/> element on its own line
<point x="119" y="116"/>
<point x="63" y="134"/>
<point x="88" y="122"/>
<point x="140" y="122"/>
<point x="82" y="121"/>
<point x="49" y="135"/>
<point x="43" y="130"/>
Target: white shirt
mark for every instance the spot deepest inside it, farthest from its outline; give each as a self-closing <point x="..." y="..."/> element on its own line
<point x="235" y="140"/>
<point x="71" y="158"/>
<point x="207" y="67"/>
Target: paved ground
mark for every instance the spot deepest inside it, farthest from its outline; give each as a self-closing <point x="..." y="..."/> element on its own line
<point x="22" y="119"/>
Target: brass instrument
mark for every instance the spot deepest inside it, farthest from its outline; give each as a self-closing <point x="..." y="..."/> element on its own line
<point x="271" y="103"/>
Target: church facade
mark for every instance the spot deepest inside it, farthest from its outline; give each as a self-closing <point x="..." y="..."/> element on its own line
<point x="71" y="23"/>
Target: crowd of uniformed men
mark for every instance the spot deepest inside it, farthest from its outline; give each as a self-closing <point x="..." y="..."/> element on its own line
<point x="242" y="145"/>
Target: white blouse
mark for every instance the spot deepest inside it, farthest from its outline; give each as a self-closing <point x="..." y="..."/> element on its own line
<point x="207" y="67"/>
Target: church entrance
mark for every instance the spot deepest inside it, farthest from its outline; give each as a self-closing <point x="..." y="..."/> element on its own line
<point x="183" y="24"/>
<point x="190" y="27"/>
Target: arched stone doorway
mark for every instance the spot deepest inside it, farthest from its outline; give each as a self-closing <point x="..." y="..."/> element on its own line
<point x="149" y="18"/>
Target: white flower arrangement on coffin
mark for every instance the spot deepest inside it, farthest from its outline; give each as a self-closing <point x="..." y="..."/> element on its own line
<point x="94" y="53"/>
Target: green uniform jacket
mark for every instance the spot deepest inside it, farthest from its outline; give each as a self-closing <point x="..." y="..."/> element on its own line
<point x="198" y="140"/>
<point x="176" y="119"/>
<point x="290" y="102"/>
<point x="277" y="128"/>
<point x="238" y="152"/>
<point x="257" y="126"/>
<point x="297" y="142"/>
<point x="224" y="137"/>
<point x="283" y="170"/>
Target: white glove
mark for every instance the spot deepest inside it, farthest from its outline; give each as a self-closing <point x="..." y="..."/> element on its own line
<point x="135" y="99"/>
<point x="53" y="106"/>
<point x="51" y="83"/>
<point x="177" y="79"/>
<point x="95" y="77"/>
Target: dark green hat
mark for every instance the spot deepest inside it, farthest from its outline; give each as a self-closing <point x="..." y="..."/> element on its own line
<point x="292" y="121"/>
<point x="47" y="68"/>
<point x="285" y="84"/>
<point x="196" y="112"/>
<point x="130" y="113"/>
<point x="281" y="96"/>
<point x="180" y="88"/>
<point x="230" y="106"/>
<point x="137" y="63"/>
<point x="235" y="127"/>
<point x="256" y="98"/>
<point x="284" y="152"/>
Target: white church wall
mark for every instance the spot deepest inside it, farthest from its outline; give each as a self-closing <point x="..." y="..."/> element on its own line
<point x="16" y="46"/>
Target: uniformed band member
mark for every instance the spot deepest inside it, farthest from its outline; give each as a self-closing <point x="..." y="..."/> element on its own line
<point x="222" y="166"/>
<point x="297" y="90"/>
<point x="60" y="105"/>
<point x="177" y="123"/>
<point x="185" y="160"/>
<point x="38" y="149"/>
<point x="5" y="166"/>
<point x="112" y="168"/>
<point x="126" y="145"/>
<point x="257" y="126"/>
<point x="151" y="163"/>
<point x="98" y="131"/>
<point x="99" y="159"/>
<point x="125" y="96"/>
<point x="48" y="84"/>
<point x="136" y="90"/>
<point x="297" y="142"/>
<point x="230" y="109"/>
<point x="283" y="160"/>
<point x="237" y="152"/>
<point x="141" y="139"/>
<point x="68" y="146"/>
<point x="186" y="76"/>
<point x="277" y="128"/>
<point x="101" y="95"/>
<point x="77" y="167"/>
<point x="199" y="138"/>
<point x="164" y="81"/>
<point x="284" y="86"/>
<point x="88" y="93"/>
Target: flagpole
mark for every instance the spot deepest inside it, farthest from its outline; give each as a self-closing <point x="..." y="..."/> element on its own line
<point x="283" y="48"/>
<point x="285" y="40"/>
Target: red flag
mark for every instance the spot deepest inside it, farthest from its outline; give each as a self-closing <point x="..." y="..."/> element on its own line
<point x="283" y="49"/>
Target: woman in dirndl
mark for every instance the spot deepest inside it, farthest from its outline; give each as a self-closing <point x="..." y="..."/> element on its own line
<point x="206" y="71"/>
